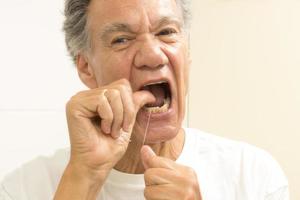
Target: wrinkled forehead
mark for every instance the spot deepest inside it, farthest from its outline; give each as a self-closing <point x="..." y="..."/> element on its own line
<point x="132" y="12"/>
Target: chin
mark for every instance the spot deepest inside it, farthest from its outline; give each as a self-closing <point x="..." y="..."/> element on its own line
<point x="159" y="130"/>
<point x="161" y="134"/>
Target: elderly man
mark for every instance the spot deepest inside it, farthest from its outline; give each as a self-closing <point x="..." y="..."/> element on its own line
<point x="126" y="135"/>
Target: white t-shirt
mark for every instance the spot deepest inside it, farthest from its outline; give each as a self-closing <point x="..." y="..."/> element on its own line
<point x="227" y="170"/>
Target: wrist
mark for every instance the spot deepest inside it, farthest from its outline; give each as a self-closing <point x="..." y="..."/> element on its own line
<point x="82" y="172"/>
<point x="78" y="182"/>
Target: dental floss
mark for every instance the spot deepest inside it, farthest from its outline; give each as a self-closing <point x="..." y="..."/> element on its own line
<point x="146" y="130"/>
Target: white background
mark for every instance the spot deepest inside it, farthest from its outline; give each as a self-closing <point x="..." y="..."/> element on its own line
<point x="245" y="77"/>
<point x="36" y="79"/>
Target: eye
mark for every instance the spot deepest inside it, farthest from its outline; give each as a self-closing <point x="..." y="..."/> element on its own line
<point x="119" y="40"/>
<point x="166" y="32"/>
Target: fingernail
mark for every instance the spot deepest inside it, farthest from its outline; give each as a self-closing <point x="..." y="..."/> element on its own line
<point x="116" y="135"/>
<point x="107" y="129"/>
<point x="126" y="128"/>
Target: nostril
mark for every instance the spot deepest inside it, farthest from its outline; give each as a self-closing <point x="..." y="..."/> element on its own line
<point x="150" y="57"/>
<point x="145" y="67"/>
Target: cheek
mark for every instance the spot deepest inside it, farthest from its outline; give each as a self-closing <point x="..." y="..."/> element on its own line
<point x="179" y="61"/>
<point x="113" y="67"/>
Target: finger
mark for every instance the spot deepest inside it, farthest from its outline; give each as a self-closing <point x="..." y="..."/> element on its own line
<point x="157" y="192"/>
<point x="99" y="105"/>
<point x="124" y="88"/>
<point x="105" y="113"/>
<point x="114" y="99"/>
<point x="158" y="176"/>
<point x="151" y="160"/>
<point x="141" y="98"/>
<point x="128" y="106"/>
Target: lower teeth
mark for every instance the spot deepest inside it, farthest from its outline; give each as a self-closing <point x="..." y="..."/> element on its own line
<point x="163" y="108"/>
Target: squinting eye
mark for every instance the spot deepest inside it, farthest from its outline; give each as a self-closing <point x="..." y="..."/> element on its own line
<point x="168" y="31"/>
<point x="120" y="40"/>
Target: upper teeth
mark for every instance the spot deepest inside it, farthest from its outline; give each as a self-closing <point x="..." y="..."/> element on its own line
<point x="160" y="82"/>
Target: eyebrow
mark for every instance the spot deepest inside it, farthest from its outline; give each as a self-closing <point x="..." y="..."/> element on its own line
<point x="169" y="20"/>
<point x="125" y="27"/>
<point x="113" y="28"/>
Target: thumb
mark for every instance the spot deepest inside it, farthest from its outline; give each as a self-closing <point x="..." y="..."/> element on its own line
<point x="147" y="155"/>
<point x="151" y="160"/>
<point x="141" y="98"/>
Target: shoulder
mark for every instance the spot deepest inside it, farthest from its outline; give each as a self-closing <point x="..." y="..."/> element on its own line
<point x="40" y="174"/>
<point x="246" y="165"/>
<point x="206" y="143"/>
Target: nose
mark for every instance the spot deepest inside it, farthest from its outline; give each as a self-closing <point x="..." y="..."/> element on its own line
<point x="150" y="54"/>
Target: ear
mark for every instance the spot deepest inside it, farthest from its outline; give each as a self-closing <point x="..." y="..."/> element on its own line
<point x="85" y="71"/>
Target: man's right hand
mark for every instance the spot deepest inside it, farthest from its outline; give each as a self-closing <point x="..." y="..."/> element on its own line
<point x="100" y="123"/>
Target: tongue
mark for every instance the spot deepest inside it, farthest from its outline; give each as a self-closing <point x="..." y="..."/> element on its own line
<point x="159" y="95"/>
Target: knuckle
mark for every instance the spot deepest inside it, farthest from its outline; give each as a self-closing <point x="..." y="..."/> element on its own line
<point x="124" y="81"/>
<point x="125" y="85"/>
<point x="189" y="171"/>
<point x="189" y="194"/>
<point x="114" y="94"/>
<point x="71" y="105"/>
<point x="80" y="93"/>
<point x="100" y="98"/>
<point x="192" y="176"/>
<point x="76" y="96"/>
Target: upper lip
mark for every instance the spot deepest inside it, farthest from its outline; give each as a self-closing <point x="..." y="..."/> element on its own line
<point x="154" y="81"/>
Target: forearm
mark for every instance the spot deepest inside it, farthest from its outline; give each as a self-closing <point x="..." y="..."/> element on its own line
<point x="78" y="184"/>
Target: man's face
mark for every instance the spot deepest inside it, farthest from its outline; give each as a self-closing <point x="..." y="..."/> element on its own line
<point x="143" y="41"/>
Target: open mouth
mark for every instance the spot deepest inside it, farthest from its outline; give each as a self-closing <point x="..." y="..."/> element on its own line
<point x="162" y="93"/>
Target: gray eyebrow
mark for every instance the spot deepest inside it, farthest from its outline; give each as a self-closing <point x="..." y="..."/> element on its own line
<point x="169" y="20"/>
<point x="115" y="27"/>
<point x="125" y="27"/>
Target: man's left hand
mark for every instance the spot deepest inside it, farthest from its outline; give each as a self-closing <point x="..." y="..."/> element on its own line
<point x="165" y="179"/>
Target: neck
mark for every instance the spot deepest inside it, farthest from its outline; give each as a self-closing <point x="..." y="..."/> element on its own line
<point x="131" y="162"/>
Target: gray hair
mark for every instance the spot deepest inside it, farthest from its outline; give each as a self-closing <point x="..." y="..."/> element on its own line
<point x="76" y="28"/>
